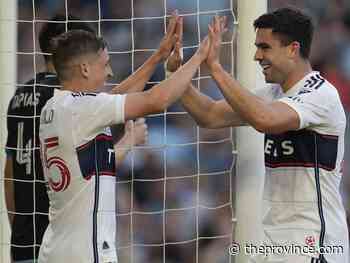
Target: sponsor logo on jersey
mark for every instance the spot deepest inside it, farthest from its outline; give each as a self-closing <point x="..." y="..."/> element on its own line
<point x="302" y="148"/>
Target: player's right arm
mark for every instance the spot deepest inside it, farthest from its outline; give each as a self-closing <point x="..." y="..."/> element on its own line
<point x="162" y="95"/>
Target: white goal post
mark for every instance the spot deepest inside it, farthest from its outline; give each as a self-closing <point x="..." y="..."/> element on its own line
<point x="8" y="47"/>
<point x="250" y="159"/>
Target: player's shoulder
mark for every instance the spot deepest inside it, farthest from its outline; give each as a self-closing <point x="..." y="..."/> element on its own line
<point x="316" y="84"/>
<point x="78" y="99"/>
<point x="72" y="101"/>
<point x="85" y="100"/>
<point x="320" y="94"/>
<point x="317" y="89"/>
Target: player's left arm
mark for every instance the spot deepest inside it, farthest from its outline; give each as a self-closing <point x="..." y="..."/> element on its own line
<point x="136" y="133"/>
<point x="137" y="81"/>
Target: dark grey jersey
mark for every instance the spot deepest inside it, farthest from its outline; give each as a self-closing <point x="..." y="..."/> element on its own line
<point x="31" y="201"/>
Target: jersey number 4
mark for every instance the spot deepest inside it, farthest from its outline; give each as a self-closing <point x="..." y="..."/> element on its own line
<point x="24" y="152"/>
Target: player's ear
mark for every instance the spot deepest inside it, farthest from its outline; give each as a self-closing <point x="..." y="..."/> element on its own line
<point x="294" y="49"/>
<point x="84" y="70"/>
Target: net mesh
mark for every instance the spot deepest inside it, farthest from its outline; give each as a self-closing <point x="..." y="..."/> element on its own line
<point x="174" y="195"/>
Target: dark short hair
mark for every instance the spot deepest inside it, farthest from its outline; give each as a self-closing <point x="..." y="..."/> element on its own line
<point x="290" y="25"/>
<point x="72" y="45"/>
<point x="56" y="26"/>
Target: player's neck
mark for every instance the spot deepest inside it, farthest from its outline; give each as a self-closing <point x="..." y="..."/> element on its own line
<point x="71" y="85"/>
<point x="298" y="73"/>
<point x="76" y="85"/>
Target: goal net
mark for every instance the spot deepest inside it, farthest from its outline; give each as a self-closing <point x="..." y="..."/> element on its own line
<point x="174" y="195"/>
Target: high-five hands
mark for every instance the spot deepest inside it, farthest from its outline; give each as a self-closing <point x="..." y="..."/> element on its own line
<point x="176" y="57"/>
<point x="216" y="29"/>
<point x="171" y="37"/>
<point x="210" y="46"/>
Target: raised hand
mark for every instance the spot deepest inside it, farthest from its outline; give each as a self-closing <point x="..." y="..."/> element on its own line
<point x="167" y="43"/>
<point x="216" y="29"/>
<point x="176" y="57"/>
<point x="203" y="49"/>
<point x="136" y="132"/>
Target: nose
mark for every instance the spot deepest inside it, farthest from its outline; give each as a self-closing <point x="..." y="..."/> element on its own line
<point x="258" y="55"/>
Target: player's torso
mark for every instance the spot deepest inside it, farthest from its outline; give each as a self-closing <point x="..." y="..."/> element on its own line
<point x="81" y="176"/>
<point x="301" y="166"/>
<point x="301" y="194"/>
<point x="23" y="127"/>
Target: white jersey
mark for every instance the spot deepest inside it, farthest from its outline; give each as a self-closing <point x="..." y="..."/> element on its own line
<point x="303" y="205"/>
<point x="79" y="166"/>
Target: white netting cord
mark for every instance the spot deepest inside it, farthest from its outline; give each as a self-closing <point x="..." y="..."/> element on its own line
<point x="7" y="82"/>
<point x="198" y="144"/>
<point x="34" y="131"/>
<point x="132" y="151"/>
<point x="165" y="159"/>
<point x="234" y="152"/>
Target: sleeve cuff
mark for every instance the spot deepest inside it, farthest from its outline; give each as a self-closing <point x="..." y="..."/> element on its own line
<point x="120" y="108"/>
<point x="292" y="105"/>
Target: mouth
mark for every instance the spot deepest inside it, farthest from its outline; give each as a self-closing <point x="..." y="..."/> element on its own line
<point x="265" y="67"/>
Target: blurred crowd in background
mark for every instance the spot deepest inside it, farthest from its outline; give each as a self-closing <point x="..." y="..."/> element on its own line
<point x="174" y="194"/>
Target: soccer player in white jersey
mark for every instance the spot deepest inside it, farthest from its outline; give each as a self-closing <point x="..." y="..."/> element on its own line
<point x="77" y="149"/>
<point x="303" y="121"/>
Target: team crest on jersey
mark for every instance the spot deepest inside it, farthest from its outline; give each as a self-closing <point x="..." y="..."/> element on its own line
<point x="310" y="241"/>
